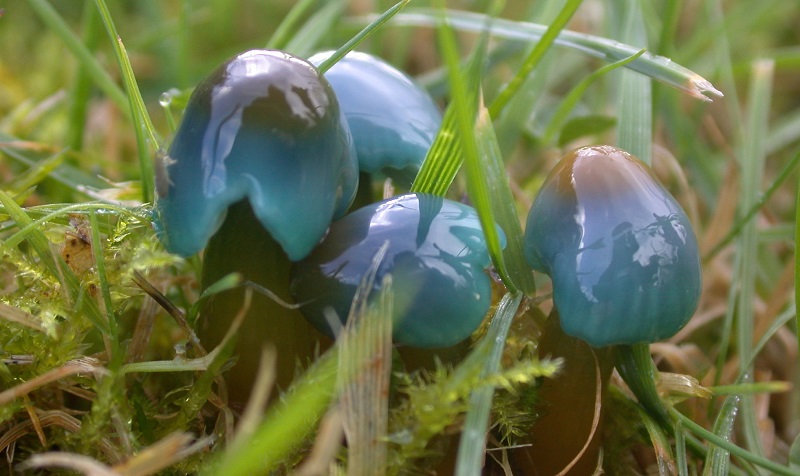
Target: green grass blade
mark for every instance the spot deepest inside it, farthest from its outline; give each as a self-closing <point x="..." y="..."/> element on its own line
<point x="718" y="459"/>
<point x="680" y="450"/>
<point x="443" y="159"/>
<point x="656" y="67"/>
<point x="534" y="57"/>
<point x="466" y="108"/>
<point x="737" y="451"/>
<point x="635" y="109"/>
<point x="143" y="127"/>
<point x="362" y="35"/>
<point x="761" y="200"/>
<point x="501" y="200"/>
<point x="752" y="156"/>
<point x="471" y="449"/>
<point x="115" y="359"/>
<point x="53" y="21"/>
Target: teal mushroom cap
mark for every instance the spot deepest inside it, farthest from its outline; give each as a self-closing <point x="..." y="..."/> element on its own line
<point x="267" y="127"/>
<point x="393" y="120"/>
<point x="619" y="249"/>
<point x="436" y="256"/>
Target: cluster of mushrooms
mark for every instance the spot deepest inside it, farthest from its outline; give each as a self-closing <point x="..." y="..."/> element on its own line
<point x="263" y="172"/>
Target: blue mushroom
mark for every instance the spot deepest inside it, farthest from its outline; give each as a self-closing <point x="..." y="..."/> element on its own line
<point x="436" y="255"/>
<point x="264" y="126"/>
<point x="261" y="162"/>
<point x="619" y="249"/>
<point x="393" y="120"/>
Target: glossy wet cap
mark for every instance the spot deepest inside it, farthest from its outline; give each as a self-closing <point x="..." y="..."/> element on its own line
<point x="393" y="120"/>
<point x="265" y="125"/>
<point x="436" y="256"/>
<point x="620" y="250"/>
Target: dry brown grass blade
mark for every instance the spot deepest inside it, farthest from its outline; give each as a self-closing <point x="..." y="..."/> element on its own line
<point x="157" y="456"/>
<point x="58" y="419"/>
<point x="14" y="314"/>
<point x="85" y="464"/>
<point x="73" y="367"/>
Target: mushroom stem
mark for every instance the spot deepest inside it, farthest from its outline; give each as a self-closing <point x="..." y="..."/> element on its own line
<point x="637" y="369"/>
<point x="567" y="436"/>
<point x="242" y="245"/>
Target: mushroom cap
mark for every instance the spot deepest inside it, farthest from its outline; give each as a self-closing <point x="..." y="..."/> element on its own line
<point x="265" y="125"/>
<point x="619" y="249"/>
<point x="436" y="256"/>
<point x="393" y="120"/>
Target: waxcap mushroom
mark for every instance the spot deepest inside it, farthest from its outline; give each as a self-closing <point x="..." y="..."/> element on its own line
<point x="619" y="249"/>
<point x="393" y="120"/>
<point x="436" y="256"/>
<point x="263" y="126"/>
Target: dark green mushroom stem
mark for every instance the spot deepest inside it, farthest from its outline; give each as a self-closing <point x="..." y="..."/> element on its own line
<point x="260" y="260"/>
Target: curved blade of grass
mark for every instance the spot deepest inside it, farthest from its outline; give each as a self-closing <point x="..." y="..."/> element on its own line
<point x="143" y="127"/>
<point x="502" y="202"/>
<point x="752" y="156"/>
<point x="761" y="200"/>
<point x="115" y="353"/>
<point x="657" y="67"/>
<point x="680" y="450"/>
<point x="569" y="102"/>
<point x="53" y="20"/>
<point x="362" y="35"/>
<point x="472" y="447"/>
<point x="737" y="451"/>
<point x="466" y="106"/>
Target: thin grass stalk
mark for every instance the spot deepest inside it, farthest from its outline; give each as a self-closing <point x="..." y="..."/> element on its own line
<point x="115" y="354"/>
<point x="143" y="127"/>
<point x="466" y="107"/>
<point x="681" y="459"/>
<point x="472" y="447"/>
<point x="737" y="451"/>
<point x="761" y="200"/>
<point x="752" y="157"/>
